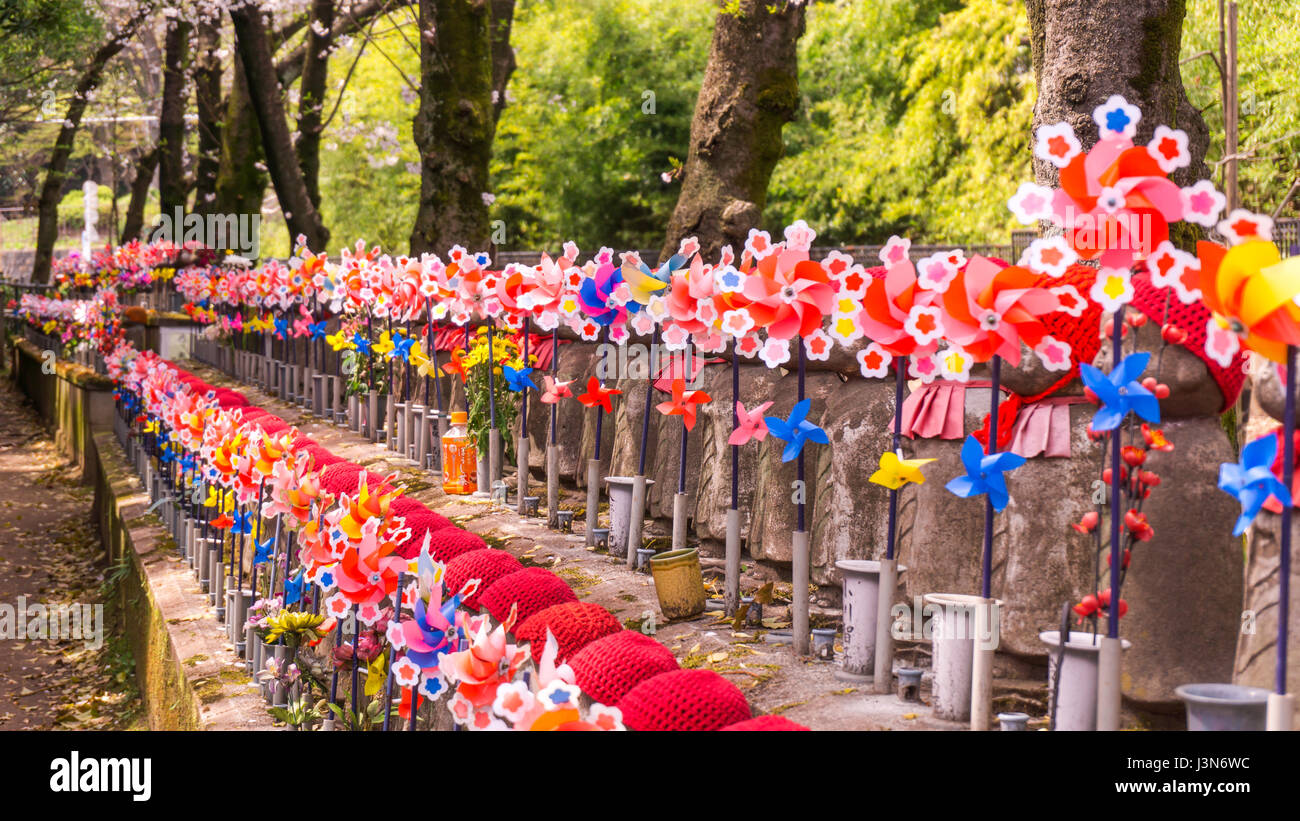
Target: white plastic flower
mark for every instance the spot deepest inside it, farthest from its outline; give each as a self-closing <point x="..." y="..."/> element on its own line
<point x="1054" y="354"/>
<point x="1168" y="147"/>
<point x="775" y="352"/>
<point x="1113" y="288"/>
<point x="895" y="251"/>
<point x="936" y="272"/>
<point x="1116" y="117"/>
<point x="818" y="345"/>
<point x="1057" y="144"/>
<point x="1031" y="203"/>
<point x="1202" y="204"/>
<point x="874" y="361"/>
<point x="1050" y="256"/>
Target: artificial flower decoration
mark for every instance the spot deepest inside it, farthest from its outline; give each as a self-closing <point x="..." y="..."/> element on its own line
<point x="598" y="394"/>
<point x="684" y="403"/>
<point x="1251" y="481"/>
<point x="796" y="431"/>
<point x="984" y="473"/>
<point x="750" y="424"/>
<point x="1252" y="293"/>
<point x="1120" y="392"/>
<point x="989" y="311"/>
<point x="895" y="471"/>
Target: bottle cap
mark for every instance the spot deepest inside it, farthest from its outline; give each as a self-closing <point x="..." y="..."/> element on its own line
<point x="459" y="417"/>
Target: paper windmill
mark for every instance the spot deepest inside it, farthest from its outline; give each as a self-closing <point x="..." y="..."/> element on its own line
<point x="789" y="294"/>
<point x="1120" y="392"/>
<point x="456" y="366"/>
<point x="518" y="379"/>
<point x="598" y="394"/>
<point x="796" y="431"/>
<point x="989" y="311"/>
<point x="895" y="471"/>
<point x="750" y="424"/>
<point x="555" y="390"/>
<point x="684" y="403"/>
<point x="263" y="551"/>
<point x="984" y="473"/>
<point x="1251" y="481"/>
<point x="1252" y="291"/>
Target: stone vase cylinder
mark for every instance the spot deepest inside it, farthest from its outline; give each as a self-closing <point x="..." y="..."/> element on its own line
<point x="1076" y="700"/>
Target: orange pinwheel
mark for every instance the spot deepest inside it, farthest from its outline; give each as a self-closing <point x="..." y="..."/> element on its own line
<point x="684" y="403"/>
<point x="598" y="394"/>
<point x="1252" y="292"/>
<point x="989" y="311"/>
<point x="367" y="505"/>
<point x="898" y="313"/>
<point x="456" y="366"/>
<point x="789" y="294"/>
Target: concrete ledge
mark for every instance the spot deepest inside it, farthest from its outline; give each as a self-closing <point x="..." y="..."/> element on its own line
<point x="187" y="673"/>
<point x="186" y="670"/>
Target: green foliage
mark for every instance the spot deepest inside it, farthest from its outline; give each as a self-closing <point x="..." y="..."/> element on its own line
<point x="915" y="121"/>
<point x="1268" y="36"/>
<point x="601" y="106"/>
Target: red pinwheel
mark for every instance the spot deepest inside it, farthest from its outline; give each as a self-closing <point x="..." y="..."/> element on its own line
<point x="369" y="571"/>
<point x="898" y="314"/>
<point x="684" y="403"/>
<point x="598" y="394"/>
<point x="989" y="311"/>
<point x="456" y="366"/>
<point x="789" y="294"/>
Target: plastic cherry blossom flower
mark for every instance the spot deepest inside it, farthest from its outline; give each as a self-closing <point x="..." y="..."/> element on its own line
<point x="989" y="311"/>
<point x="1252" y="294"/>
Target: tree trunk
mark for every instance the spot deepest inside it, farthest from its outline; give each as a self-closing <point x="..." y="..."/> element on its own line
<point x="133" y="223"/>
<point x="750" y="91"/>
<point x="241" y="178"/>
<point x="207" y="93"/>
<point x="281" y="160"/>
<point x="47" y="209"/>
<point x="454" y="125"/>
<point x="171" y="119"/>
<point x="1105" y="47"/>
<point x="503" y="54"/>
<point x="311" y="94"/>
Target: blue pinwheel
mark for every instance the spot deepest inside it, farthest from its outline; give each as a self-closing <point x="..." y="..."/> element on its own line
<point x="984" y="473"/>
<point x="293" y="588"/>
<point x="263" y="551"/>
<point x="796" y="431"/>
<point x="243" y="522"/>
<point x="519" y="379"/>
<point x="595" y="292"/>
<point x="1251" y="481"/>
<point x="187" y="463"/>
<point x="317" y="330"/>
<point x="362" y="342"/>
<point x="402" y="348"/>
<point x="1120" y="392"/>
<point x="433" y="634"/>
<point x="281" y="327"/>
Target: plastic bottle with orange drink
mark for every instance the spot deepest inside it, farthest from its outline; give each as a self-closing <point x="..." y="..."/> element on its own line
<point x="459" y="457"/>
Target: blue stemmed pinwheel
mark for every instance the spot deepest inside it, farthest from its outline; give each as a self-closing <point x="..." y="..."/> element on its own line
<point x="402" y="348"/>
<point x="362" y="342"/>
<point x="281" y="327"/>
<point x="434" y="640"/>
<point x="293" y="588"/>
<point x="1120" y="392"/>
<point x="519" y="379"/>
<point x="984" y="473"/>
<point x="1251" y="481"/>
<point x="263" y="550"/>
<point x="796" y="431"/>
<point x="243" y="522"/>
<point x="317" y="330"/>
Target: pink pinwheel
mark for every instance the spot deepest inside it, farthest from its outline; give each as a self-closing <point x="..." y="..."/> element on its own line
<point x="989" y="311"/>
<point x="684" y="403"/>
<point x="898" y="314"/>
<point x="478" y="671"/>
<point x="368" y="571"/>
<point x="555" y="390"/>
<point x="690" y="298"/>
<point x="542" y="291"/>
<point x="751" y="424"/>
<point x="788" y="293"/>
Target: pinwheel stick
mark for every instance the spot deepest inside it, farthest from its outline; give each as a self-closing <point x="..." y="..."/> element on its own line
<point x="735" y="424"/>
<point x="1112" y="623"/>
<point x="555" y="369"/>
<point x="986" y="582"/>
<point x="388" y="683"/>
<point x="899" y="379"/>
<point x="1288" y="473"/>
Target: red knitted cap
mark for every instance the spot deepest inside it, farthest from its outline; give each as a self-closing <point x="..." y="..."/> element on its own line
<point x="487" y="565"/>
<point x="574" y="625"/>
<point x="447" y="543"/>
<point x="690" y="700"/>
<point x="609" y="667"/>
<point x="764" y="724"/>
<point x="533" y="588"/>
<point x="1151" y="300"/>
<point x="341" y="478"/>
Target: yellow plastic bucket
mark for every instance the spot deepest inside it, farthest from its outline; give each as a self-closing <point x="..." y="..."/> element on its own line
<point x="679" y="583"/>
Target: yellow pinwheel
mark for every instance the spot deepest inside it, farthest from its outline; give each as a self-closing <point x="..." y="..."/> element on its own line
<point x="340" y="342"/>
<point x="641" y="282"/>
<point x="151" y="426"/>
<point x="261" y="323"/>
<point x="384" y="346"/>
<point x="895" y="471"/>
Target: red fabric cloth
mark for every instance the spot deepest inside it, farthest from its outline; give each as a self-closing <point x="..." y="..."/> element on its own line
<point x="764" y="724"/>
<point x="1151" y="301"/>
<point x="607" y="668"/>
<point x="447" y="543"/>
<point x="689" y="700"/>
<point x="574" y="625"/>
<point x="533" y="588"/>
<point x="487" y="565"/>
